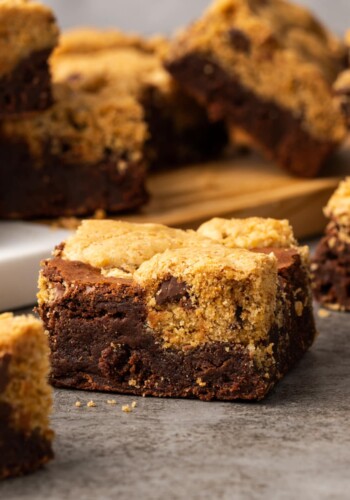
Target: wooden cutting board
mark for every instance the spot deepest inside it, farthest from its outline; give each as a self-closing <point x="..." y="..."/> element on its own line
<point x="241" y="187"/>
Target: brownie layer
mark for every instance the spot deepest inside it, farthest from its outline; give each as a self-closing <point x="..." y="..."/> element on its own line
<point x="171" y="144"/>
<point x="20" y="452"/>
<point x="59" y="189"/>
<point x="272" y="128"/>
<point x="99" y="339"/>
<point x="331" y="271"/>
<point x="294" y="286"/>
<point x="28" y="87"/>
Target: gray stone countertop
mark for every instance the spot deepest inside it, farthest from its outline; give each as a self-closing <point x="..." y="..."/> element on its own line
<point x="295" y="444"/>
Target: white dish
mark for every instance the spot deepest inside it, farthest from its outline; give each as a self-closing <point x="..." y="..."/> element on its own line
<point x="22" y="246"/>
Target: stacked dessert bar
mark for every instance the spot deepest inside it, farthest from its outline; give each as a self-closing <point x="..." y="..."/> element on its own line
<point x="221" y="313"/>
<point x="28" y="34"/>
<point x="25" y="396"/>
<point x="179" y="130"/>
<point x="267" y="67"/>
<point x="331" y="264"/>
<point x="84" y="153"/>
<point x="115" y="112"/>
<point x="252" y="69"/>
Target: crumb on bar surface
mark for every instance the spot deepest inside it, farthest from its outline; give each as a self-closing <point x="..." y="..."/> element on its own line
<point x="23" y="340"/>
<point x="249" y="39"/>
<point x="25" y="27"/>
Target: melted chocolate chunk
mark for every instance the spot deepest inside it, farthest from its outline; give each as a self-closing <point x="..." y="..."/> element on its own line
<point x="239" y="40"/>
<point x="172" y="291"/>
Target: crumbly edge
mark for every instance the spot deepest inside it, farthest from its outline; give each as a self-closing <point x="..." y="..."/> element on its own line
<point x="25" y="27"/>
<point x="82" y="125"/>
<point x="298" y="86"/>
<point x="27" y="392"/>
<point x="338" y="209"/>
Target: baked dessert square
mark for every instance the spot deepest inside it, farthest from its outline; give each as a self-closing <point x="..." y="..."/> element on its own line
<point x="179" y="130"/>
<point x="28" y="34"/>
<point x="149" y="310"/>
<point x="331" y="263"/>
<point x="85" y="153"/>
<point x="25" y="396"/>
<point x="342" y="84"/>
<point x="267" y="67"/>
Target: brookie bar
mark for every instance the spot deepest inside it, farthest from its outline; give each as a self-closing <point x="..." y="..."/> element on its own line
<point x="267" y="67"/>
<point x="28" y="34"/>
<point x="150" y="310"/>
<point x="25" y="396"/>
<point x="85" y="153"/>
<point x="331" y="263"/>
<point x="179" y="130"/>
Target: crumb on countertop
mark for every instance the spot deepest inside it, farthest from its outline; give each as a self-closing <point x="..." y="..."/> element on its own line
<point x="91" y="404"/>
<point x="126" y="409"/>
<point x="323" y="313"/>
<point x="111" y="402"/>
<point x="78" y="404"/>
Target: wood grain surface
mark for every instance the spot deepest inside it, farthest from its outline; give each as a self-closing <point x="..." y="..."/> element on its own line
<point x="241" y="187"/>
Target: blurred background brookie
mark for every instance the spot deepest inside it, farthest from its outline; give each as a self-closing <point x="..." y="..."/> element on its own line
<point x="164" y="16"/>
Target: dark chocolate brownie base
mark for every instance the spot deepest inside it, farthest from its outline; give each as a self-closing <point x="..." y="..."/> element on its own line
<point x="56" y="189"/>
<point x="294" y="286"/>
<point x="273" y="129"/>
<point x="171" y="144"/>
<point x="28" y="87"/>
<point x="331" y="271"/>
<point x="99" y="341"/>
<point x="20" y="453"/>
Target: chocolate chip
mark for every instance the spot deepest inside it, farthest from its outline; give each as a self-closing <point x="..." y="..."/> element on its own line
<point x="238" y="315"/>
<point x="239" y="40"/>
<point x="172" y="291"/>
<point x="4" y="375"/>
